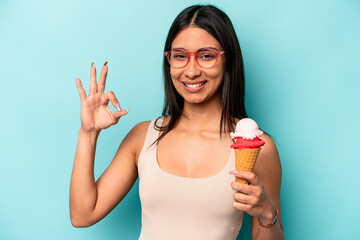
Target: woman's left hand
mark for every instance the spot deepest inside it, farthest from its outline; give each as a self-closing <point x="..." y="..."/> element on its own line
<point x="253" y="198"/>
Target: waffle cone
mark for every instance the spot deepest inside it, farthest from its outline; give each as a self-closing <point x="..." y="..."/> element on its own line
<point x="245" y="160"/>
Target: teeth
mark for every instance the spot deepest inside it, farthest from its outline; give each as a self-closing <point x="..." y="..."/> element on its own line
<point x="194" y="85"/>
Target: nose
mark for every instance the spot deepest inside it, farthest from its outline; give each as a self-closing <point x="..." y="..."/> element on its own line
<point x="192" y="69"/>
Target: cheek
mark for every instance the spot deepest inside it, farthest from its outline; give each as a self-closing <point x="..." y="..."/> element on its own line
<point x="175" y="74"/>
<point x="216" y="74"/>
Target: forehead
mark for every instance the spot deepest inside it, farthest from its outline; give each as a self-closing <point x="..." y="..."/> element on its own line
<point x="193" y="38"/>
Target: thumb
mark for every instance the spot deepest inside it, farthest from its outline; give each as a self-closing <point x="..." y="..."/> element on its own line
<point x="118" y="114"/>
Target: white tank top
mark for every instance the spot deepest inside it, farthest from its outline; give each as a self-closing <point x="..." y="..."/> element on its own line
<point x="181" y="208"/>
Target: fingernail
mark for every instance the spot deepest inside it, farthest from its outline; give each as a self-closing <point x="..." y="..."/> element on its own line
<point x="105" y="63"/>
<point x="92" y="64"/>
<point x="118" y="107"/>
<point x="233" y="172"/>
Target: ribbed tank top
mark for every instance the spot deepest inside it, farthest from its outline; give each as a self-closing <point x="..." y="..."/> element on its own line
<point x="181" y="208"/>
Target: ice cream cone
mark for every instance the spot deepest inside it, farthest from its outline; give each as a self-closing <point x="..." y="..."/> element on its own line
<point x="245" y="160"/>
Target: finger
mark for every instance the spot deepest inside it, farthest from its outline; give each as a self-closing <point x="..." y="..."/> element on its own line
<point x="242" y="188"/>
<point x="250" y="176"/>
<point x="118" y="114"/>
<point x="242" y="206"/>
<point x="240" y="180"/>
<point x="93" y="85"/>
<point x="102" y="79"/>
<point x="110" y="96"/>
<point x="243" y="198"/>
<point x="80" y="88"/>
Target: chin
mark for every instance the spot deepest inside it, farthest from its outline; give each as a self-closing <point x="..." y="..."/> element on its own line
<point x="195" y="99"/>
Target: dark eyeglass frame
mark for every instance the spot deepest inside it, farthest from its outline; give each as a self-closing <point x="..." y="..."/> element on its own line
<point x="168" y="54"/>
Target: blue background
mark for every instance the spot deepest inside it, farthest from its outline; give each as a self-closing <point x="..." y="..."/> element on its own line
<point x="302" y="70"/>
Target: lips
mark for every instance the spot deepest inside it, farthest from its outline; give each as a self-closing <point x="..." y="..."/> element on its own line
<point x="194" y="86"/>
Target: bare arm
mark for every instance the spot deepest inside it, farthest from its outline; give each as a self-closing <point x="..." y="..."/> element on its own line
<point x="262" y="196"/>
<point x="83" y="189"/>
<point x="90" y="201"/>
<point x="269" y="171"/>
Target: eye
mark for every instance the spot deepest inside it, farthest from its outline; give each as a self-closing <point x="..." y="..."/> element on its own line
<point x="206" y="55"/>
<point x="178" y="56"/>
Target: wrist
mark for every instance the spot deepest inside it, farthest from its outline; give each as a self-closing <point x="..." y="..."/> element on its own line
<point x="89" y="133"/>
<point x="268" y="216"/>
<point x="269" y="223"/>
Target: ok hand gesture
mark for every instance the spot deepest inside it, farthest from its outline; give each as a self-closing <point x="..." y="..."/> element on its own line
<point x="95" y="112"/>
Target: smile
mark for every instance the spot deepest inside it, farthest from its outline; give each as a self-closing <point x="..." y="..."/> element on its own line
<point x="194" y="85"/>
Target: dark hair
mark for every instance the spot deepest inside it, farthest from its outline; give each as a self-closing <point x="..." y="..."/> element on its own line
<point x="232" y="89"/>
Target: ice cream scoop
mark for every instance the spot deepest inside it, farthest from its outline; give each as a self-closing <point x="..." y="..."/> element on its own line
<point x="247" y="129"/>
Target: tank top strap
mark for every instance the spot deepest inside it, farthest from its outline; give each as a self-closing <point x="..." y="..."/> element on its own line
<point x="152" y="132"/>
<point x="149" y="145"/>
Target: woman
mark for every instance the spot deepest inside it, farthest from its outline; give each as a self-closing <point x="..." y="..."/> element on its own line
<point x="183" y="159"/>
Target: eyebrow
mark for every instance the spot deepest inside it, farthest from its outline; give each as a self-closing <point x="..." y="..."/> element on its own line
<point x="204" y="48"/>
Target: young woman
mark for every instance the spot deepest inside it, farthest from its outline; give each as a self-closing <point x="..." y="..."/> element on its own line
<point x="182" y="159"/>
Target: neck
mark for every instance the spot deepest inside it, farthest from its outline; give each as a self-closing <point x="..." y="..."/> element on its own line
<point x="202" y="116"/>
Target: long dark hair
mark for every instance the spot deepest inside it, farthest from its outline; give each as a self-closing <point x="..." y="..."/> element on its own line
<point x="232" y="90"/>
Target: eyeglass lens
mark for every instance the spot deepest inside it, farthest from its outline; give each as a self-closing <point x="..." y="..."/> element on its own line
<point x="205" y="58"/>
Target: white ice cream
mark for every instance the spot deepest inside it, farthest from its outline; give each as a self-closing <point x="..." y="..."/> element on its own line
<point x="247" y="129"/>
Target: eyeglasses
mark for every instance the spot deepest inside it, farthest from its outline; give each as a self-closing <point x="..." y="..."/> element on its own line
<point x="205" y="58"/>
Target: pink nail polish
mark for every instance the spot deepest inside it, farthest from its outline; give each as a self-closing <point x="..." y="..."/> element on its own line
<point x="233" y="172"/>
<point x="118" y="107"/>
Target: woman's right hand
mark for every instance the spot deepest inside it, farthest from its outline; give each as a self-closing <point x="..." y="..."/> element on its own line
<point x="95" y="112"/>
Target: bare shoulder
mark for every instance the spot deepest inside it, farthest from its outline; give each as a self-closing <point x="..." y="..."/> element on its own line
<point x="268" y="166"/>
<point x="269" y="149"/>
<point x="136" y="137"/>
<point x="139" y="130"/>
